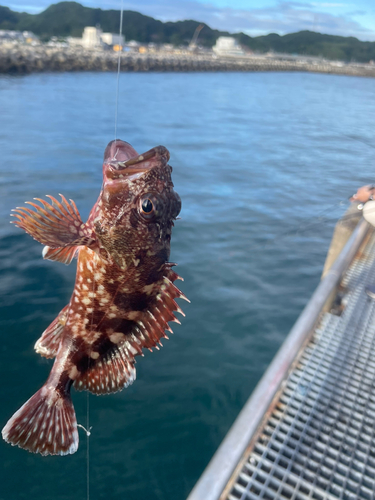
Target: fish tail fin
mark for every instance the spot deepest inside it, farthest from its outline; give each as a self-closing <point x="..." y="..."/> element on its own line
<point x="45" y="424"/>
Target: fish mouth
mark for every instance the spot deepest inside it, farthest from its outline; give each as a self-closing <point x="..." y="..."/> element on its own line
<point x="121" y="157"/>
<point x="119" y="151"/>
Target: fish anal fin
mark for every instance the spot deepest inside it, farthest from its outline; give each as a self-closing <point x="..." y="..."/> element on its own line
<point x="61" y="254"/>
<point x="56" y="224"/>
<point x="112" y="372"/>
<point x="45" y="424"/>
<point x="48" y="344"/>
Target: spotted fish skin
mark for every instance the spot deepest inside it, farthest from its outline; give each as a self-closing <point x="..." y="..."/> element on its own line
<point x="124" y="293"/>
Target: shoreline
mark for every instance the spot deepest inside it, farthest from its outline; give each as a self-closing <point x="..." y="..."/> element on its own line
<point x="23" y="59"/>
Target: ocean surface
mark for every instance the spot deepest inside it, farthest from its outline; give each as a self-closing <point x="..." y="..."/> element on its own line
<point x="264" y="164"/>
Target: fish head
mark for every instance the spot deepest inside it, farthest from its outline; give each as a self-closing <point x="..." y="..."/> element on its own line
<point x="137" y="206"/>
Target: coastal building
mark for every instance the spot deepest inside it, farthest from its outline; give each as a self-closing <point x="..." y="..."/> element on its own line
<point x="91" y="38"/>
<point x="227" y="46"/>
<point x="94" y="38"/>
<point x="14" y="36"/>
<point x="54" y="41"/>
<point x="73" y="41"/>
<point x="30" y="37"/>
<point x="10" y="36"/>
<point x="132" y="46"/>
<point x="112" y="39"/>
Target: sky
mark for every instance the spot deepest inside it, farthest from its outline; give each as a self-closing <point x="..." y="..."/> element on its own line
<point x="254" y="17"/>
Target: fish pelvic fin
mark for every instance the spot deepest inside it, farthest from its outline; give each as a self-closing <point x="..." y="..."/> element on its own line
<point x="45" y="424"/>
<point x="54" y="224"/>
<point x="49" y="343"/>
<point x="111" y="373"/>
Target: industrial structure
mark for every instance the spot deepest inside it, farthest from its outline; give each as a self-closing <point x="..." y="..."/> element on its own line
<point x="94" y="38"/>
<point x="227" y="46"/>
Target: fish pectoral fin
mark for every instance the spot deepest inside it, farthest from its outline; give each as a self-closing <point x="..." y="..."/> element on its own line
<point x="54" y="224"/>
<point x="48" y="344"/>
<point x="111" y="372"/>
<point x="61" y="254"/>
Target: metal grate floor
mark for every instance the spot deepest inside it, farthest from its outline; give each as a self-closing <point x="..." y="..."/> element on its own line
<point x="319" y="441"/>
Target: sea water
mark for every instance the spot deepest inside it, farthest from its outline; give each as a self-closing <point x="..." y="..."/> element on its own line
<point x="264" y="164"/>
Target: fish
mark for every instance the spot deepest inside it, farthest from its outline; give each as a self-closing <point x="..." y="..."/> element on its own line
<point x="124" y="294"/>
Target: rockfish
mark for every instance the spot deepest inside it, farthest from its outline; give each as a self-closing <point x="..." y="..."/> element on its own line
<point x="123" y="296"/>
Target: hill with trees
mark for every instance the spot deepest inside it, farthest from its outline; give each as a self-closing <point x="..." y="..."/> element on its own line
<point x="69" y="19"/>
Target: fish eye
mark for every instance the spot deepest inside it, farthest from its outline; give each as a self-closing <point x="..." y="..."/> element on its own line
<point x="175" y="205"/>
<point x="147" y="206"/>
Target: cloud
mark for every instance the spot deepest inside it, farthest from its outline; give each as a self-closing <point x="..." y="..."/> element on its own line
<point x="328" y="5"/>
<point x="288" y="17"/>
<point x="31" y="9"/>
<point x="283" y="17"/>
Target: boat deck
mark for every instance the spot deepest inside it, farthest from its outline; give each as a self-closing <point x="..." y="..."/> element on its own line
<point x="315" y="438"/>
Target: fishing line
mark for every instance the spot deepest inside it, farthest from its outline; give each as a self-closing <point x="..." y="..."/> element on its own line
<point x="88" y="428"/>
<point x="304" y="226"/>
<point x="118" y="67"/>
<point x="339" y="134"/>
<point x="88" y="444"/>
<point x="319" y="215"/>
<point x="353" y="138"/>
<point x="95" y="258"/>
<point x="318" y="219"/>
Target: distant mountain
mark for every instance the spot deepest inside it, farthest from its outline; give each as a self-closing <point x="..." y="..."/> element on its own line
<point x="69" y="18"/>
<point x="313" y="44"/>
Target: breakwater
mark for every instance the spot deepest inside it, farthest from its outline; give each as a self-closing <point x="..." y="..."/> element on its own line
<point x="22" y="59"/>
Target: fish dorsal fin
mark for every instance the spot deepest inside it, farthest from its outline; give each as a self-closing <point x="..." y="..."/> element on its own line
<point x="114" y="370"/>
<point x="154" y="322"/>
<point x="61" y="254"/>
<point x="48" y="344"/>
<point x="55" y="224"/>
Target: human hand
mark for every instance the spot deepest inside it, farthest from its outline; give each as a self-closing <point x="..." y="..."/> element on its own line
<point x="364" y="193"/>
